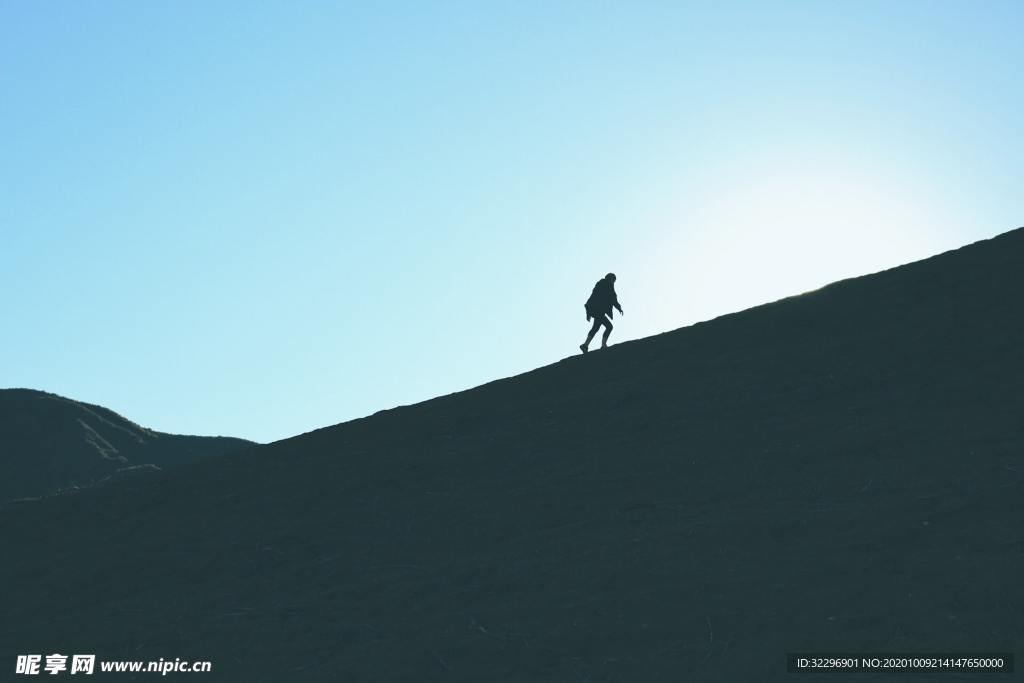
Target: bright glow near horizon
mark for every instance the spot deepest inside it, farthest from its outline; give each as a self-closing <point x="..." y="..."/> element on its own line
<point x="777" y="228"/>
<point x="259" y="219"/>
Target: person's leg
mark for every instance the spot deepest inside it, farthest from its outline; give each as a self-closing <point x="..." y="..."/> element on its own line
<point x="607" y="331"/>
<point x="593" y="330"/>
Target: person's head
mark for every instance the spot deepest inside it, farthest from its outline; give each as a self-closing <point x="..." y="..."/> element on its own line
<point x="610" y="277"/>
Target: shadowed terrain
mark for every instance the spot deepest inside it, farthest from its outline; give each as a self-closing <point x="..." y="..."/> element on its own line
<point x="842" y="469"/>
<point x="49" y="443"/>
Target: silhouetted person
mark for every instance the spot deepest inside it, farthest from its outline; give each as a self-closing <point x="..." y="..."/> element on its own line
<point x="599" y="307"/>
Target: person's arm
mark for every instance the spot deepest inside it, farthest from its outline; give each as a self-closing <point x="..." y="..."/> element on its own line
<point x="615" y="302"/>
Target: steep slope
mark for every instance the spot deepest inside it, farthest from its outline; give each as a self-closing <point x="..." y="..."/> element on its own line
<point x="842" y="469"/>
<point x="50" y="443"/>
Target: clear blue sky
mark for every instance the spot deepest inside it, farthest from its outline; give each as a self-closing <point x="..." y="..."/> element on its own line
<point x="259" y="218"/>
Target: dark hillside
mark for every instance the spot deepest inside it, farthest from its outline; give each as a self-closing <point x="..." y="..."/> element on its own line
<point x="840" y="469"/>
<point x="49" y="443"/>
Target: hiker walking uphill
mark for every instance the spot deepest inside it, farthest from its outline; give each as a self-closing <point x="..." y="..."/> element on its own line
<point x="599" y="307"/>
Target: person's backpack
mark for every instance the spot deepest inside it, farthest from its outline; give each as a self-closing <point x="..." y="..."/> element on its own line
<point x="588" y="307"/>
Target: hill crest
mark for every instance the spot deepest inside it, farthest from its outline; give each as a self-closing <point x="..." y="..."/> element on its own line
<point x="51" y="443"/>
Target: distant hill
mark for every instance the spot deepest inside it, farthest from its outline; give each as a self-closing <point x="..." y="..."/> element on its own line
<point x="50" y="443"/>
<point x="843" y="469"/>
